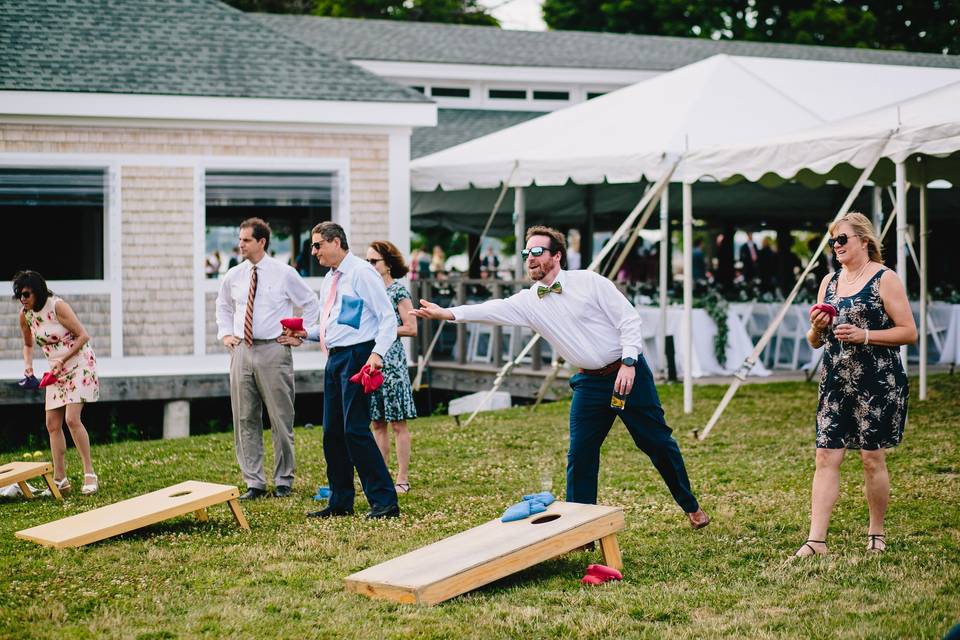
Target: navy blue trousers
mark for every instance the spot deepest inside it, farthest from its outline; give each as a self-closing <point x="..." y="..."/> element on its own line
<point x="347" y="441"/>
<point x="590" y="420"/>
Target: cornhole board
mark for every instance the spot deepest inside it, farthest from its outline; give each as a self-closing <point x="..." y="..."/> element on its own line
<point x="491" y="551"/>
<point x="112" y="520"/>
<point x="20" y="472"/>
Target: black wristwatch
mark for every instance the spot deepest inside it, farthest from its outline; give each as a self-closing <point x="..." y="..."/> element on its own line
<point x="628" y="361"/>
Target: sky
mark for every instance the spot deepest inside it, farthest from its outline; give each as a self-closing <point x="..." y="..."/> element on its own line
<point x="517" y="14"/>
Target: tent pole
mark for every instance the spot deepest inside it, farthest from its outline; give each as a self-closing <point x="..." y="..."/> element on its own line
<point x="628" y="247"/>
<point x="901" y="177"/>
<point x="519" y="226"/>
<point x="758" y="348"/>
<point x="877" y="208"/>
<point x="664" y="241"/>
<point x="923" y="288"/>
<point x="687" y="324"/>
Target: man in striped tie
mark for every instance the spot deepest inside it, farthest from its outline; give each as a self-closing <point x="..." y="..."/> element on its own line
<point x="254" y="296"/>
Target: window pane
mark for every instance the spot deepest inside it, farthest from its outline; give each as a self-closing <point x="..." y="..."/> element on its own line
<point x="290" y="202"/>
<point x="450" y="92"/>
<point x="60" y="210"/>
<point x="508" y="94"/>
<point x="551" y="95"/>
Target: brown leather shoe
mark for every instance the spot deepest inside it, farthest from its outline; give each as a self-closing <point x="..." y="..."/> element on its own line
<point x="698" y="519"/>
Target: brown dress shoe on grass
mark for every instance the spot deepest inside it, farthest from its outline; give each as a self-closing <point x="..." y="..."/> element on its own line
<point x="698" y="519"/>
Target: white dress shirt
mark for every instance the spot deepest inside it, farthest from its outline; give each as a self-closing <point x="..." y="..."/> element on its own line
<point x="378" y="321"/>
<point x="590" y="323"/>
<point x="279" y="288"/>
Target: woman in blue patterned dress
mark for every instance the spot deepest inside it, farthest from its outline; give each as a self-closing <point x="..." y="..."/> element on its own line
<point x="863" y="388"/>
<point x="393" y="402"/>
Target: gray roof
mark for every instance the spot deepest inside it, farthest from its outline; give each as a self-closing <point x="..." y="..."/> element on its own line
<point x="170" y="47"/>
<point x="455" y="126"/>
<point x="357" y="39"/>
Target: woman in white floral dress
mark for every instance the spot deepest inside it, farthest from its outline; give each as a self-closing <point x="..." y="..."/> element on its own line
<point x="51" y="324"/>
<point x="863" y="389"/>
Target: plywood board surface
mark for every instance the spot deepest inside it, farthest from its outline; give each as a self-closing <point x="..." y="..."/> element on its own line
<point x="127" y="515"/>
<point x="485" y="553"/>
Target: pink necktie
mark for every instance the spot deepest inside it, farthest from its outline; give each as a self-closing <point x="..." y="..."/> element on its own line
<point x="327" y="306"/>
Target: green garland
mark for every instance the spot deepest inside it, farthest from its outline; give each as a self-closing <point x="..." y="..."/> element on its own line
<point x="716" y="307"/>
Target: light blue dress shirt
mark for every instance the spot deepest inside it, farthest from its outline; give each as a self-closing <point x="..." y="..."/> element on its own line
<point x="361" y="312"/>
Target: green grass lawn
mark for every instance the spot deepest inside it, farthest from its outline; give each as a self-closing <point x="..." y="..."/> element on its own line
<point x="284" y="579"/>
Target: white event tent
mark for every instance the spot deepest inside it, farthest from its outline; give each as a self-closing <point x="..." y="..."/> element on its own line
<point x="916" y="141"/>
<point x="650" y="129"/>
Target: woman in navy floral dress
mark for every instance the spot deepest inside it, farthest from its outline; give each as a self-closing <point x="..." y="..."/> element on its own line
<point x="393" y="402"/>
<point x="863" y="388"/>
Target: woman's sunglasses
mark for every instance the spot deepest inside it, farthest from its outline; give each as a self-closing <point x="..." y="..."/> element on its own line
<point x="536" y="252"/>
<point x="839" y="240"/>
<point x="23" y="295"/>
<point x="374" y="261"/>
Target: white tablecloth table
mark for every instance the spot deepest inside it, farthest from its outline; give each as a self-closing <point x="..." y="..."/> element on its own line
<point x="705" y="362"/>
<point x="944" y="324"/>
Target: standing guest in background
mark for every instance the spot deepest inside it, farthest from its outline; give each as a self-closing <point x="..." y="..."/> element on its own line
<point x="490" y="263"/>
<point x="573" y="249"/>
<point x="699" y="261"/>
<point x="822" y="267"/>
<point x="767" y="264"/>
<point x="592" y="326"/>
<point x="357" y="327"/>
<point x="748" y="258"/>
<point x="393" y="402"/>
<point x="863" y="388"/>
<point x="414" y="264"/>
<point x="438" y="260"/>
<point x="254" y="296"/>
<point x="51" y="324"/>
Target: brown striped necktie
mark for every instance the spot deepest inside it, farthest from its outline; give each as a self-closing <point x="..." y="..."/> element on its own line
<point x="248" y="317"/>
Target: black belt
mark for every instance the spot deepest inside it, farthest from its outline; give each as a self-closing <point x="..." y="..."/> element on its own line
<point x="351" y="346"/>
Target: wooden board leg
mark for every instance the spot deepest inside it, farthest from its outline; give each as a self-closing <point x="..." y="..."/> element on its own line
<point x="48" y="478"/>
<point x="238" y="514"/>
<point x="25" y="489"/>
<point x="201" y="515"/>
<point x="611" y="552"/>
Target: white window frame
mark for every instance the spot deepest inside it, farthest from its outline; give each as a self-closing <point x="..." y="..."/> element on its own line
<point x="112" y="282"/>
<point x="340" y="213"/>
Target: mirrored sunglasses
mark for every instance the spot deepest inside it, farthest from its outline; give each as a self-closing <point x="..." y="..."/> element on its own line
<point x="536" y="252"/>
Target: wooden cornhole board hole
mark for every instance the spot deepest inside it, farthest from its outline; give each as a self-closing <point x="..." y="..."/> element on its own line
<point x="20" y="472"/>
<point x="112" y="520"/>
<point x="491" y="551"/>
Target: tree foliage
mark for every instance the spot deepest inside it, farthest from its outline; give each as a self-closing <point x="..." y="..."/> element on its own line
<point x="450" y="11"/>
<point x="912" y="25"/>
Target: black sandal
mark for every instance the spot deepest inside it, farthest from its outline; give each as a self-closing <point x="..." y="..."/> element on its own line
<point x="873" y="538"/>
<point x="809" y="546"/>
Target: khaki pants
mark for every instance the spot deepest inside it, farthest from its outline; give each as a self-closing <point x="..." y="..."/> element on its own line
<point x="262" y="375"/>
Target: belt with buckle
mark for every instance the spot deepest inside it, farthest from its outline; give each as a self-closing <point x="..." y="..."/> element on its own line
<point x="610" y="369"/>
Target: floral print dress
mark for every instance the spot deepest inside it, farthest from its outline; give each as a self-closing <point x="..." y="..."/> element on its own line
<point x="863" y="388"/>
<point x="78" y="380"/>
<point x="393" y="401"/>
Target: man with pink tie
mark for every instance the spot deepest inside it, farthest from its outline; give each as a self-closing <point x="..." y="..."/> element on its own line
<point x="357" y="326"/>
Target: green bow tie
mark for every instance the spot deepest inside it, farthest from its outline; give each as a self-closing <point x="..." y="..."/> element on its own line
<point x="555" y="287"/>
